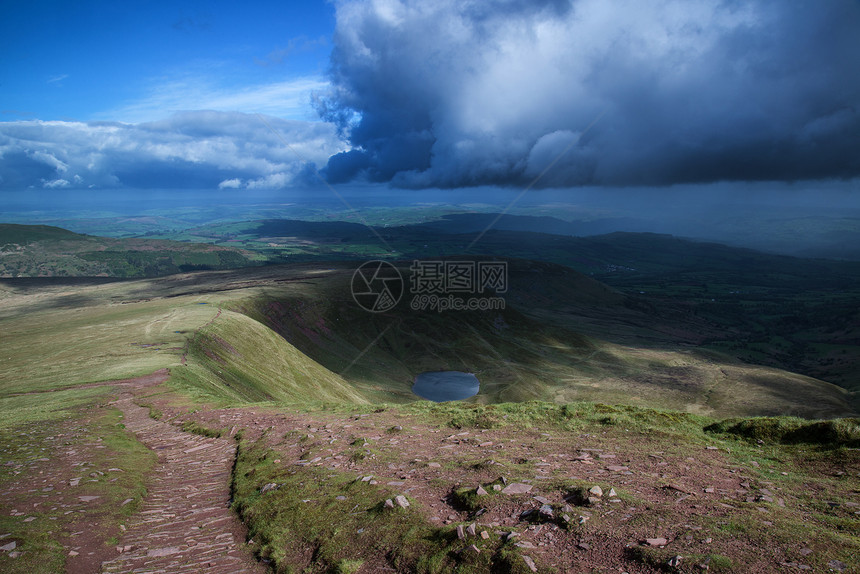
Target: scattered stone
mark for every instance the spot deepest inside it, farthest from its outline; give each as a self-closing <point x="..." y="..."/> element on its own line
<point x="8" y="547"/>
<point x="434" y="465"/>
<point x="596" y="491"/>
<point x="542" y="499"/>
<point x="480" y="491"/>
<point x="72" y="553"/>
<point x="530" y="563"/>
<point x="612" y="493"/>
<point x="546" y="512"/>
<point x="837" y="565"/>
<point x="517" y="488"/>
<point x="592" y="500"/>
<point x="485" y="535"/>
<point x="712" y="448"/>
<point x="675" y="561"/>
<point x="497" y="487"/>
<point x="805" y="551"/>
<point x="401" y="501"/>
<point x="14" y="554"/>
<point x="366" y="478"/>
<point x="525" y="544"/>
<point x="88" y="498"/>
<point x="656" y="541"/>
<point x="617" y="468"/>
<point x="470" y="530"/>
<point x="340" y="497"/>
<point x="389" y="503"/>
<point x="461" y="532"/>
<point x="584" y="546"/>
<point x="709" y="490"/>
<point x="268" y="486"/>
<point x="475" y="549"/>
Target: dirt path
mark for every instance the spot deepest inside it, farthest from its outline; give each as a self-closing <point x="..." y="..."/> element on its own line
<point x="185" y="523"/>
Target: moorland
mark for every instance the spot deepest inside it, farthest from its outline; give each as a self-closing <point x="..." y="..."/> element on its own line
<point x="710" y="392"/>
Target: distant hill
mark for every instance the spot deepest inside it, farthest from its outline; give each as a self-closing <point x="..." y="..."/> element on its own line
<point x="45" y="251"/>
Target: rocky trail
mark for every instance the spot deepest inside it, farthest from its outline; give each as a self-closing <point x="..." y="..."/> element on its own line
<point x="58" y="494"/>
<point x="185" y="523"/>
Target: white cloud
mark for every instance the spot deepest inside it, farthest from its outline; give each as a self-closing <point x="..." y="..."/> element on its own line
<point x="56" y="183"/>
<point x="205" y="149"/>
<point x="234" y="183"/>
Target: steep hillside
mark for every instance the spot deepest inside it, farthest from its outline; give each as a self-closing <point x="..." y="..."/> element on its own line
<point x="236" y="359"/>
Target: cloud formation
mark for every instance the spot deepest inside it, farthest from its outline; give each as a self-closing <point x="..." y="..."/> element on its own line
<point x="201" y="149"/>
<point x="193" y="91"/>
<point x="470" y="92"/>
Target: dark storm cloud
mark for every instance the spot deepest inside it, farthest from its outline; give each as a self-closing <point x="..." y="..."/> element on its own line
<point x="453" y="93"/>
<point x="202" y="149"/>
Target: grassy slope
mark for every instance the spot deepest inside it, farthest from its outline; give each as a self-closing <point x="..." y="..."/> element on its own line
<point x="62" y="336"/>
<point x="67" y="334"/>
<point x="237" y="359"/>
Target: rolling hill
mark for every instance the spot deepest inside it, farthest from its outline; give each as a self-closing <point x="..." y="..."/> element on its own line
<point x="44" y="251"/>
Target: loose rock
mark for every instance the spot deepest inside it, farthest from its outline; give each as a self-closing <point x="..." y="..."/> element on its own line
<point x="517" y="488"/>
<point x="530" y="563"/>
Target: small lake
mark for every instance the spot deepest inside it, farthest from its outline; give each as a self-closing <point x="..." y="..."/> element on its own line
<point x="441" y="386"/>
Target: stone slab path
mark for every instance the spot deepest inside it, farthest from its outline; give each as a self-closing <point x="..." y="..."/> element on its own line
<point x="185" y="523"/>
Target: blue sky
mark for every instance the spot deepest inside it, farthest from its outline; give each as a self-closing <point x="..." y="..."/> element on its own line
<point x="136" y="61"/>
<point x="417" y="94"/>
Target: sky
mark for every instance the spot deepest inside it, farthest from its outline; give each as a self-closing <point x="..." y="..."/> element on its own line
<point x="422" y="95"/>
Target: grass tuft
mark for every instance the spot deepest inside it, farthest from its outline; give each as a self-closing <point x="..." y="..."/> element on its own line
<point x="791" y="430"/>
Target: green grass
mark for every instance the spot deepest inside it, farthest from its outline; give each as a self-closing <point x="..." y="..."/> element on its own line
<point x="790" y="430"/>
<point x="236" y="359"/>
<point x="198" y="429"/>
<point x="303" y="516"/>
